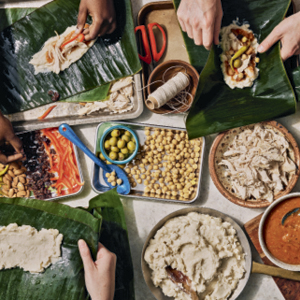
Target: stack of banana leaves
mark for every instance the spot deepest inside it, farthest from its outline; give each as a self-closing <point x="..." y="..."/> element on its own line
<point x="23" y="33"/>
<point x="216" y="106"/>
<point x="64" y="280"/>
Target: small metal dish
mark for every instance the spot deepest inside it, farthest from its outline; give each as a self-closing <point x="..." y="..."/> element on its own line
<point x="156" y="291"/>
<point x="99" y="185"/>
<point x="273" y="259"/>
<point x="103" y="151"/>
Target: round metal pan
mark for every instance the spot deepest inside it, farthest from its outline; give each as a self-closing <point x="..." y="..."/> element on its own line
<point x="157" y="292"/>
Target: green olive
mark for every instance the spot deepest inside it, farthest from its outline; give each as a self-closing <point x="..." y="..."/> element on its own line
<point x="107" y="145"/>
<point x="121" y="156"/>
<point x="128" y="133"/>
<point x="101" y="156"/>
<point x="108" y="162"/>
<point x="237" y="63"/>
<point x="131" y="146"/>
<point x="121" y="144"/>
<point x="113" y="141"/>
<point x="115" y="132"/>
<point x="126" y="138"/>
<point x="124" y="151"/>
<point x="133" y="139"/>
<point x="113" y="155"/>
<point x="121" y="166"/>
<point x="115" y="149"/>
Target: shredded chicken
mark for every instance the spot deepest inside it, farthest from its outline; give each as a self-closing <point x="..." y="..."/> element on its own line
<point x="258" y="164"/>
<point x="120" y="99"/>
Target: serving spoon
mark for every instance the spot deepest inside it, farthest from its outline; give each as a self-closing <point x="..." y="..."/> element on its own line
<point x="124" y="188"/>
<point x="182" y="281"/>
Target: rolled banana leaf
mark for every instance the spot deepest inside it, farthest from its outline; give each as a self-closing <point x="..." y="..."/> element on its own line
<point x="114" y="236"/>
<point x="112" y="57"/>
<point x="63" y="280"/>
<point x="9" y="16"/>
<point x="217" y="107"/>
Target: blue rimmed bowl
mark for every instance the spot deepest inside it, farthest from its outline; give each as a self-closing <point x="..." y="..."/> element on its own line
<point x="103" y="150"/>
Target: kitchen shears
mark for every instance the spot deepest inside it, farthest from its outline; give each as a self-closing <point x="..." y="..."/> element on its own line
<point x="151" y="50"/>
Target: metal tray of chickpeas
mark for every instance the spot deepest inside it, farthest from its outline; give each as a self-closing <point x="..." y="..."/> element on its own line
<point x="167" y="166"/>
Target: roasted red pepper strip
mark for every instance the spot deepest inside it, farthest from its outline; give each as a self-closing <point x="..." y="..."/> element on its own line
<point x="63" y="163"/>
<point x="79" y="37"/>
<point x="47" y="112"/>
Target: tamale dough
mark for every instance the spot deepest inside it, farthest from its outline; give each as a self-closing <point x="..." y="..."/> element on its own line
<point x="27" y="248"/>
<point x="203" y="248"/>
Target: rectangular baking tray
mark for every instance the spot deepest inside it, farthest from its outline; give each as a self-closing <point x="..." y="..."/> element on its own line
<point x="67" y="112"/>
<point x="163" y="13"/>
<point x="138" y="191"/>
<point x="79" y="169"/>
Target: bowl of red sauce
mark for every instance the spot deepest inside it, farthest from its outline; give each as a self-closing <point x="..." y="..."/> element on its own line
<point x="279" y="232"/>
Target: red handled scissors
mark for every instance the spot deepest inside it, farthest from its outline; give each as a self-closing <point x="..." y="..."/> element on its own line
<point x="149" y="54"/>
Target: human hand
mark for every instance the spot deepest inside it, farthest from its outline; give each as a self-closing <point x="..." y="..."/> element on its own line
<point x="7" y="135"/>
<point x="287" y="32"/>
<point x="99" y="275"/>
<point x="201" y="20"/>
<point x="103" y="15"/>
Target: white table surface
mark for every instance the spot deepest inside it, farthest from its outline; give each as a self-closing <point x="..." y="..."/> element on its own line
<point x="142" y="215"/>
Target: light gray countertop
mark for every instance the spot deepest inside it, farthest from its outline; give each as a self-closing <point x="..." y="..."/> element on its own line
<point x="142" y="215"/>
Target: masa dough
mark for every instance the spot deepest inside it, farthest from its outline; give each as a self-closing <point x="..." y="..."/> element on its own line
<point x="27" y="248"/>
<point x="203" y="248"/>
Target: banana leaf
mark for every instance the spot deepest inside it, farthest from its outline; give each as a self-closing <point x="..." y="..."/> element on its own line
<point x="217" y="107"/>
<point x="112" y="57"/>
<point x="114" y="237"/>
<point x="64" y="279"/>
<point x="9" y="16"/>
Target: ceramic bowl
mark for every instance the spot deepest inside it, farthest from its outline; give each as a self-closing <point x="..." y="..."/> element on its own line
<point x="103" y="151"/>
<point x="273" y="259"/>
<point x="223" y="184"/>
<point x="174" y="67"/>
<point x="156" y="291"/>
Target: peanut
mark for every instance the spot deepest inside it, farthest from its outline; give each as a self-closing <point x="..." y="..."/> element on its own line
<point x="21" y="194"/>
<point x="27" y="194"/>
<point x="11" y="173"/>
<point x="8" y="177"/>
<point x="13" y="165"/>
<point x="14" y="185"/>
<point x="5" y="192"/>
<point x="20" y="186"/>
<point x="18" y="172"/>
<point x="11" y="193"/>
<point x="21" y="179"/>
<point x="16" y="180"/>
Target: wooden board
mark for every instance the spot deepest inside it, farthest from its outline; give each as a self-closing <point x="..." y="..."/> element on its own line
<point x="290" y="289"/>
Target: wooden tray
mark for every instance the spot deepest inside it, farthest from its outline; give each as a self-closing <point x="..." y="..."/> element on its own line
<point x="290" y="289"/>
<point x="162" y="12"/>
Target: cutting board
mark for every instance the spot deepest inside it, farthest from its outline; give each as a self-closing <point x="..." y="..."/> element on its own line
<point x="290" y="289"/>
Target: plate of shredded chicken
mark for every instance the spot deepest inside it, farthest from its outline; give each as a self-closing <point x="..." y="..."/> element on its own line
<point x="256" y="164"/>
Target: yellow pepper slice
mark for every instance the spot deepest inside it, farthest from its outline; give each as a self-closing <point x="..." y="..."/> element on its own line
<point x="4" y="171"/>
<point x="240" y="52"/>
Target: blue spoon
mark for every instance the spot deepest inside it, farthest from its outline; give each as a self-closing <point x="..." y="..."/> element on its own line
<point x="124" y="188"/>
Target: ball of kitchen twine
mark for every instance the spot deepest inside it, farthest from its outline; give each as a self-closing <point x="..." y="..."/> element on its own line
<point x="168" y="91"/>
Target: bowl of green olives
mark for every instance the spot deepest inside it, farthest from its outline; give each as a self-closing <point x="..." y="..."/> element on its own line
<point x="119" y="144"/>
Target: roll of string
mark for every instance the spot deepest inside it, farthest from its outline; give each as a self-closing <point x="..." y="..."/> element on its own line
<point x="170" y="90"/>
